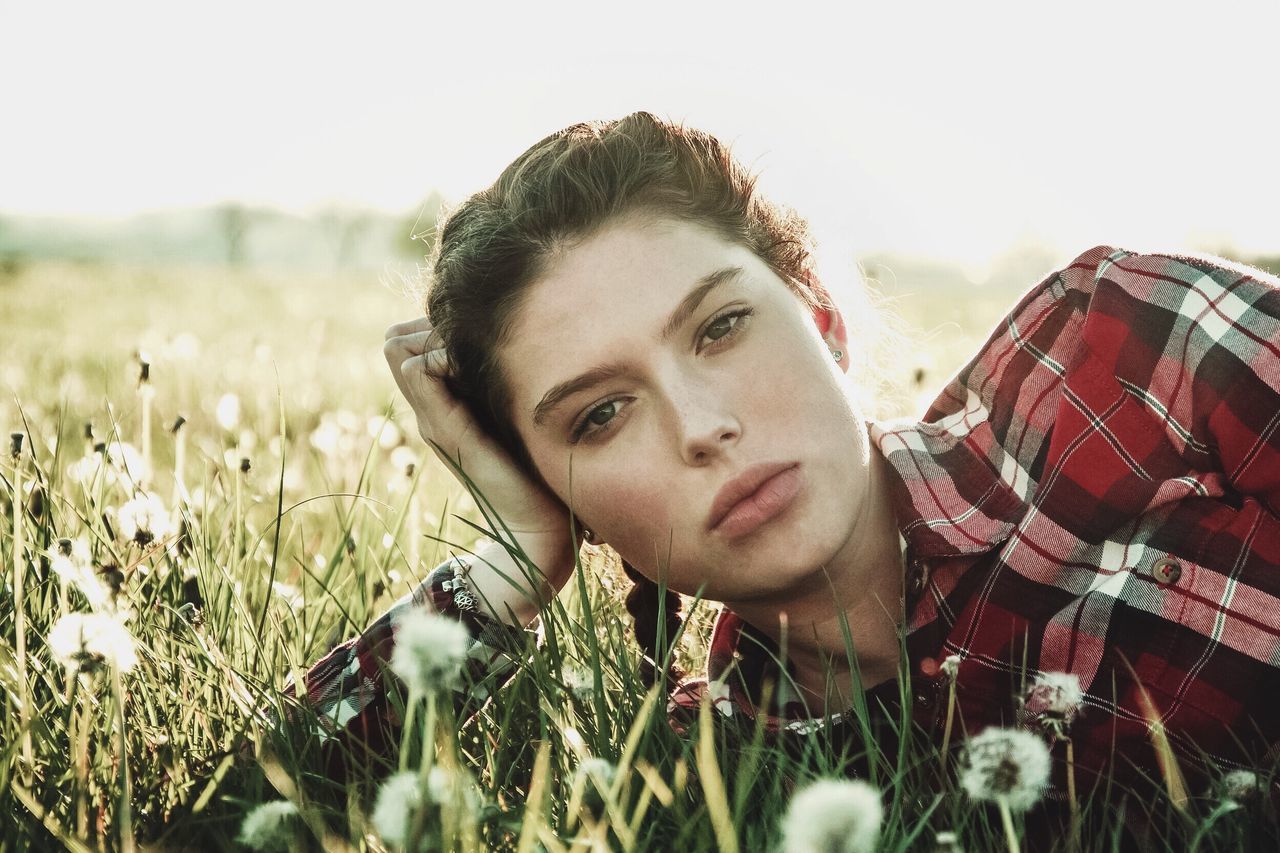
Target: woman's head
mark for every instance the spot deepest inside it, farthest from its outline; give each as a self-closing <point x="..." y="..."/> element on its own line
<point x="495" y="245"/>
<point x="576" y="259"/>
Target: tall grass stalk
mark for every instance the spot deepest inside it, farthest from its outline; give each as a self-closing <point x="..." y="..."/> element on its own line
<point x="20" y="607"/>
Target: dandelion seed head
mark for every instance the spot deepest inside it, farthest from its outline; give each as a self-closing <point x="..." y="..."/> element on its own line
<point x="947" y="842"/>
<point x="398" y="800"/>
<point x="1055" y="699"/>
<point x="452" y="786"/>
<point x="580" y="682"/>
<point x="833" y="816"/>
<point x="402" y="457"/>
<point x="327" y="438"/>
<point x="950" y="667"/>
<point x="385" y="431"/>
<point x="83" y="640"/>
<point x="595" y="777"/>
<point x="290" y="593"/>
<point x="270" y="827"/>
<point x="227" y="412"/>
<point x="145" y="518"/>
<point x="1008" y="764"/>
<point x="75" y="567"/>
<point x="119" y="464"/>
<point x="429" y="650"/>
<point x="601" y="771"/>
<point x="1239" y="786"/>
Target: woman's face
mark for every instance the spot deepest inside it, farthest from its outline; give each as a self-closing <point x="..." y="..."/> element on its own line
<point x="680" y="408"/>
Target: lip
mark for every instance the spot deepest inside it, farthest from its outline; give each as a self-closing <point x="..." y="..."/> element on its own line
<point x="745" y="485"/>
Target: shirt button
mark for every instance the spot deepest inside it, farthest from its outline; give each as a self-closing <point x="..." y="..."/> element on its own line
<point x="1166" y="570"/>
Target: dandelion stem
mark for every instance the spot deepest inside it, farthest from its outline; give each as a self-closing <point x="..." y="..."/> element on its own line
<point x="415" y="526"/>
<point x="80" y="732"/>
<point x="179" y="463"/>
<point x="126" y="793"/>
<point x="1071" y="794"/>
<point x="147" y="393"/>
<point x="406" y="733"/>
<point x="1010" y="837"/>
<point x="1070" y="779"/>
<point x="419" y="825"/>
<point x="946" y="728"/>
<point x="238" y="537"/>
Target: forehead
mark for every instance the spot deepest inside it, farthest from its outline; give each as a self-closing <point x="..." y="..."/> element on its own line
<point x="607" y="297"/>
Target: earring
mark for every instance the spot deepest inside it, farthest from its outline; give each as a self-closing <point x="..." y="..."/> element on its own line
<point x="590" y="536"/>
<point x="837" y="354"/>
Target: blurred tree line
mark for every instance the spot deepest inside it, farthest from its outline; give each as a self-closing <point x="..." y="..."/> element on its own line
<point x="231" y="234"/>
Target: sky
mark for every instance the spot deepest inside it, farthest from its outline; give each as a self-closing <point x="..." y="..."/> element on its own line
<point x="949" y="130"/>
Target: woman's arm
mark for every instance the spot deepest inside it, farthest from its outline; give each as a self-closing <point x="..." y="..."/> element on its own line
<point x="348" y="689"/>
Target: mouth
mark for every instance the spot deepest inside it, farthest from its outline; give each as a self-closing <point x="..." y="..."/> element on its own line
<point x="754" y="497"/>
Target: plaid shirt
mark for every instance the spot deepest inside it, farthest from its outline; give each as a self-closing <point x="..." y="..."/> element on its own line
<point x="1097" y="489"/>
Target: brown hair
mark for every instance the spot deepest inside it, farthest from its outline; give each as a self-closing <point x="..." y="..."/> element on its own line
<point x="494" y="245"/>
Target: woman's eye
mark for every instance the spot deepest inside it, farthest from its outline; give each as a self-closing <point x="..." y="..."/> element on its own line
<point x="722" y="328"/>
<point x="605" y="417"/>
<point x="598" y="420"/>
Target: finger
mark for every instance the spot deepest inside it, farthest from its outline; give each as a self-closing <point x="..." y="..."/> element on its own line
<point x="416" y="370"/>
<point x="413" y="344"/>
<point x="408" y="327"/>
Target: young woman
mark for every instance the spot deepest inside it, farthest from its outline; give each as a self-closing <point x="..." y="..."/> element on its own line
<point x="622" y="325"/>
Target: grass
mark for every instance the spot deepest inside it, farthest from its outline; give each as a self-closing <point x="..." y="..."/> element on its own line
<point x="273" y="565"/>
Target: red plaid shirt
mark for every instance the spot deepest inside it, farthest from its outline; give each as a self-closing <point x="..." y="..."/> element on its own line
<point x="1099" y="486"/>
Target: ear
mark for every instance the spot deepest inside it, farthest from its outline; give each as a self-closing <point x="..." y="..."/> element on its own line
<point x="830" y="323"/>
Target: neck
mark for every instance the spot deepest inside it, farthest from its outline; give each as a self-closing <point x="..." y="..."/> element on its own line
<point x="863" y="582"/>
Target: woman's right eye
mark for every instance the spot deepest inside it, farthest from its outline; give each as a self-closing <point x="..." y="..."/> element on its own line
<point x="593" y="425"/>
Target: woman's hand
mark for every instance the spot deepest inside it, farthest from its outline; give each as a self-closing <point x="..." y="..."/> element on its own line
<point x="537" y="518"/>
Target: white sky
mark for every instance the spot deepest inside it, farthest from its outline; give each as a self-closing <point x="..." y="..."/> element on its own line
<point x="948" y="129"/>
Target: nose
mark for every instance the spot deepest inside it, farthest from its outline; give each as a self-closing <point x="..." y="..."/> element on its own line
<point x="705" y="423"/>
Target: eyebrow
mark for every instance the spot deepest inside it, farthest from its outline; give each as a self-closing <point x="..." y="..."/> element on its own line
<point x="605" y="372"/>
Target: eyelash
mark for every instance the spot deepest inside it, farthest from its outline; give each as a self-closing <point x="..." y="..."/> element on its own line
<point x="581" y="429"/>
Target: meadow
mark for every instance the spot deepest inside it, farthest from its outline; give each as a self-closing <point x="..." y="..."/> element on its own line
<point x="287" y="502"/>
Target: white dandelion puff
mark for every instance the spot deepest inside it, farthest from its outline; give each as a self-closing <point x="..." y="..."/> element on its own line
<point x="118" y="464"/>
<point x="833" y="816"/>
<point x="455" y="787"/>
<point x="950" y="667"/>
<point x="580" y="682"/>
<point x="327" y="437"/>
<point x="1008" y="765"/>
<point x="429" y="650"/>
<point x="227" y="412"/>
<point x="292" y="595"/>
<point x="399" y="798"/>
<point x="947" y="842"/>
<point x="601" y="771"/>
<point x="85" y="639"/>
<point x="270" y="827"/>
<point x="1054" y="700"/>
<point x="592" y="781"/>
<point x="385" y="431"/>
<point x="145" y="518"/>
<point x="1239" y="786"/>
<point x="72" y="564"/>
<point x="402" y="457"/>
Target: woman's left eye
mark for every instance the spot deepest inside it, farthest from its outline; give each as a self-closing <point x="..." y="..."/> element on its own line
<point x="724" y="327"/>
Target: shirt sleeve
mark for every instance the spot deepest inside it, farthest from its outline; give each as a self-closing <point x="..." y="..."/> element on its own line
<point x="349" y="688"/>
<point x="1196" y="340"/>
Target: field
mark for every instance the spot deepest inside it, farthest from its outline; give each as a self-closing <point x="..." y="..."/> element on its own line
<point x="295" y="503"/>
